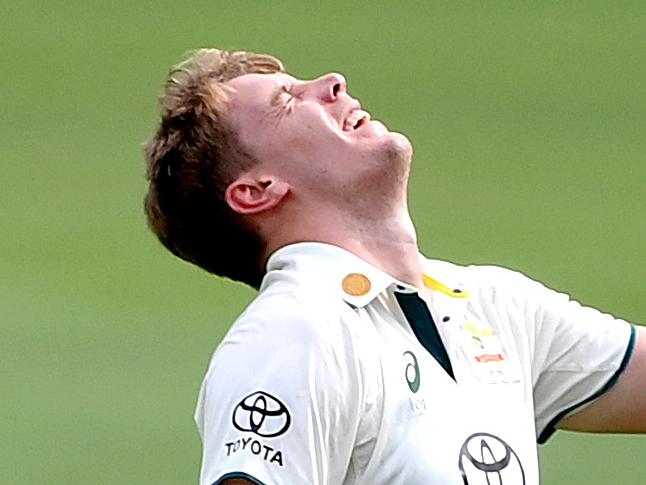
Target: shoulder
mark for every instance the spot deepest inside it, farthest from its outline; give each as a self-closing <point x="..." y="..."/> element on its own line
<point x="288" y="311"/>
<point x="286" y="327"/>
<point x="289" y="359"/>
<point x="289" y="343"/>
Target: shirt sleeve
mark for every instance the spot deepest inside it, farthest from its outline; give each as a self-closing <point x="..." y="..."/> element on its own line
<point x="280" y="391"/>
<point x="577" y="352"/>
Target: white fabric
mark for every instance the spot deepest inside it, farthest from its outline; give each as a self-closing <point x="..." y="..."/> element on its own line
<point x="335" y="372"/>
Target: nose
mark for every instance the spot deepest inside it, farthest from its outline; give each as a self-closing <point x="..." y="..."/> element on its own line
<point x="329" y="87"/>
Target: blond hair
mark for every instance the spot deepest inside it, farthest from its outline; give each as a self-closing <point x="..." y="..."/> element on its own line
<point x="193" y="157"/>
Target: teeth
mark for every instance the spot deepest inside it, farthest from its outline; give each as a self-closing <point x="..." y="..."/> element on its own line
<point x="358" y="115"/>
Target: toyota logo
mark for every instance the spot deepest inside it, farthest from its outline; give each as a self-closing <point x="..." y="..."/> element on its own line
<point x="262" y="414"/>
<point x="486" y="459"/>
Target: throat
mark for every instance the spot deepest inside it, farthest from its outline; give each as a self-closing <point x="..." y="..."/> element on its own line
<point x="392" y="247"/>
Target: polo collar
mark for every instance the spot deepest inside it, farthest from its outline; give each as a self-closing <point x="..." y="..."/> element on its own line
<point x="332" y="268"/>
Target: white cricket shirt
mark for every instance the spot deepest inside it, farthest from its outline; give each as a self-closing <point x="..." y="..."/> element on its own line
<point x="339" y="374"/>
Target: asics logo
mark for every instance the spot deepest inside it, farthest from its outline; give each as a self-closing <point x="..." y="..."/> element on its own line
<point x="411" y="371"/>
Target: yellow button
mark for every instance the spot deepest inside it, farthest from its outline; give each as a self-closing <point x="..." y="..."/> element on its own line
<point x="356" y="284"/>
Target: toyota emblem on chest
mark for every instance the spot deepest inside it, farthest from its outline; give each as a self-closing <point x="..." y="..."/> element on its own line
<point x="485" y="459"/>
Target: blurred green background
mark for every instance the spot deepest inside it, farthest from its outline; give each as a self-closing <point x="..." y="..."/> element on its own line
<point x="528" y="121"/>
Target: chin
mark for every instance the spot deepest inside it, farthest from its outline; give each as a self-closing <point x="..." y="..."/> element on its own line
<point x="397" y="148"/>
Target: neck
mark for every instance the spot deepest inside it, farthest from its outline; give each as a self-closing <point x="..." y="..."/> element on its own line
<point x="391" y="249"/>
<point x="389" y="243"/>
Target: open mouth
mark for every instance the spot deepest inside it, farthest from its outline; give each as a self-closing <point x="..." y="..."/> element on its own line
<point x="355" y="120"/>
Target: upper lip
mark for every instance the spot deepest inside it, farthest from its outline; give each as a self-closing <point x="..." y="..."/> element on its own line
<point x="353" y="106"/>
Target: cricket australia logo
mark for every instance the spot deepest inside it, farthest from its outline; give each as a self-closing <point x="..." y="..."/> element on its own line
<point x="262" y="414"/>
<point x="486" y="459"/>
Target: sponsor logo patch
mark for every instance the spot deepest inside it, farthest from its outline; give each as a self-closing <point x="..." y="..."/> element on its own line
<point x="262" y="414"/>
<point x="265" y="416"/>
<point x="486" y="459"/>
<point x="411" y="371"/>
<point x="261" y="450"/>
<point x="484" y="358"/>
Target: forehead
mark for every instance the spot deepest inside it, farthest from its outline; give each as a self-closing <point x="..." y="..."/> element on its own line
<point x="256" y="92"/>
<point x="252" y="107"/>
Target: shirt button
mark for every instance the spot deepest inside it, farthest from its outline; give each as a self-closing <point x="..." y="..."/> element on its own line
<point x="356" y="284"/>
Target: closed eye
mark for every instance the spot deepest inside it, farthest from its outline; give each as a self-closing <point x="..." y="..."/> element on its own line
<point x="291" y="91"/>
<point x="279" y="95"/>
<point x="291" y="97"/>
<point x="282" y="101"/>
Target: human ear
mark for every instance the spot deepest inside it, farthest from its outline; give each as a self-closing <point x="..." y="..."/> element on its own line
<point x="247" y="195"/>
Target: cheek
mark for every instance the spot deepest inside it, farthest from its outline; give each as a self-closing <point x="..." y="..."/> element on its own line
<point x="296" y="142"/>
<point x="301" y="142"/>
<point x="285" y="153"/>
<point x="269" y="143"/>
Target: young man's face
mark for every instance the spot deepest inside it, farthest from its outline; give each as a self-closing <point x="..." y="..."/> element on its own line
<point x="315" y="136"/>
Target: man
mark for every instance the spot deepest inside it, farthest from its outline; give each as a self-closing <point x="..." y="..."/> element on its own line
<point x="360" y="361"/>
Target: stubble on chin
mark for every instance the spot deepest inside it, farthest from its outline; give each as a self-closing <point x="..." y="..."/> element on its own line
<point x="381" y="190"/>
<point x="396" y="155"/>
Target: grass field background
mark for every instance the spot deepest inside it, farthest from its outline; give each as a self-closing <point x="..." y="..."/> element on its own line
<point x="528" y="121"/>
